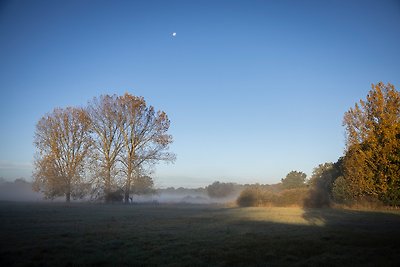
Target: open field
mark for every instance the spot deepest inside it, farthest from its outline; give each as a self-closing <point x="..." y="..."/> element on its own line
<point x="56" y="234"/>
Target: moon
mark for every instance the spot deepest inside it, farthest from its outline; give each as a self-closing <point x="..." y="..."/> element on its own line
<point x="173" y="34"/>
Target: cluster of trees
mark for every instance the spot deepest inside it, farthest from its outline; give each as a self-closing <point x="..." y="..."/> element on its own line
<point x="369" y="171"/>
<point x="108" y="148"/>
<point x="372" y="161"/>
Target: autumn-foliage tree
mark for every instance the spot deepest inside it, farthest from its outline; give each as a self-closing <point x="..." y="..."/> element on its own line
<point x="372" y="159"/>
<point x="105" y="123"/>
<point x="63" y="141"/>
<point x="117" y="139"/>
<point x="145" y="138"/>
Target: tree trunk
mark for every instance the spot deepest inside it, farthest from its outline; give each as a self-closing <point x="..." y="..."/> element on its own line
<point x="126" y="197"/>
<point x="107" y="189"/>
<point x="68" y="197"/>
<point x="127" y="186"/>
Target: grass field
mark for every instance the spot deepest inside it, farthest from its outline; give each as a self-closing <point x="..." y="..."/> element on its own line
<point x="43" y="234"/>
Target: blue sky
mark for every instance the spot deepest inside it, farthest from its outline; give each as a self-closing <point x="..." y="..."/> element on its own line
<point x="253" y="89"/>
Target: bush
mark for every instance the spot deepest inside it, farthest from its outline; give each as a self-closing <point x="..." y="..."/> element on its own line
<point x="114" y="196"/>
<point x="256" y="196"/>
<point x="251" y="197"/>
<point x="292" y="197"/>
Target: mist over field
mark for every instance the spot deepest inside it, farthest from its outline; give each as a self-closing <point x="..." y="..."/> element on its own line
<point x="19" y="190"/>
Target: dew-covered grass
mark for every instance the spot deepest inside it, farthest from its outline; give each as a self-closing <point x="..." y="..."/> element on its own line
<point x="56" y="234"/>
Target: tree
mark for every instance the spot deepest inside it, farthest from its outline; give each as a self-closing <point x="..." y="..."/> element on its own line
<point x="143" y="185"/>
<point x="372" y="159"/>
<point x="294" y="179"/>
<point x="321" y="184"/>
<point x="103" y="112"/>
<point x="63" y="141"/>
<point x="219" y="190"/>
<point x="145" y="138"/>
<point x="341" y="191"/>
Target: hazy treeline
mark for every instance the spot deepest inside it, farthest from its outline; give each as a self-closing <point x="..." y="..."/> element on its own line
<point x="106" y="149"/>
<point x="18" y="190"/>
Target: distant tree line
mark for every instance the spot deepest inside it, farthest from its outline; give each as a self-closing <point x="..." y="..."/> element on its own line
<point x="107" y="148"/>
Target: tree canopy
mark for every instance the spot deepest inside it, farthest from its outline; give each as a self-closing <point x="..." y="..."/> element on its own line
<point x="294" y="179"/>
<point x="220" y="190"/>
<point x="117" y="139"/>
<point x="372" y="156"/>
<point x="63" y="141"/>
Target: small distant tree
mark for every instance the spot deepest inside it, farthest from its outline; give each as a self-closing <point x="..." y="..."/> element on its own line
<point x="143" y="185"/>
<point x="219" y="190"/>
<point x="62" y="140"/>
<point x="20" y="181"/>
<point x="294" y="179"/>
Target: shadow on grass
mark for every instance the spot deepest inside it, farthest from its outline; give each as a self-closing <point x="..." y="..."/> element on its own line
<point x="193" y="235"/>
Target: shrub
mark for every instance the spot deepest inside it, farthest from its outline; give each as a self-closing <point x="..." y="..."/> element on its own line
<point x="255" y="196"/>
<point x="292" y="197"/>
<point x="251" y="197"/>
<point x="114" y="196"/>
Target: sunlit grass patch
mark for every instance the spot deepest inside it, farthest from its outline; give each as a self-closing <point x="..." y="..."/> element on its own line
<point x="290" y="215"/>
